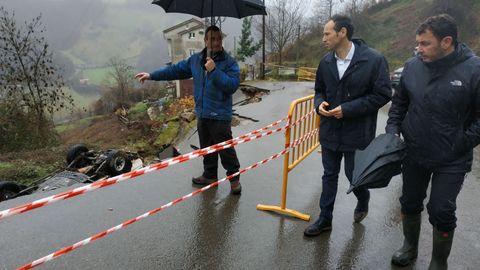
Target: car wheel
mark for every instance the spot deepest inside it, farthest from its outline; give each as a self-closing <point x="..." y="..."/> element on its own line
<point x="74" y="152"/>
<point x="118" y="162"/>
<point x="8" y="190"/>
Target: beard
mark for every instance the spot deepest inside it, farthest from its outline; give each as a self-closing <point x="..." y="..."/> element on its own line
<point x="437" y="53"/>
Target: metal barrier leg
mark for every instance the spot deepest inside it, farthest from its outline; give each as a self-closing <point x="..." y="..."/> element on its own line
<point x="283" y="208"/>
<point x="283" y="211"/>
<point x="302" y="109"/>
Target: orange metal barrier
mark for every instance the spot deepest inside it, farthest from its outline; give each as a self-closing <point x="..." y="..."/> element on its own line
<point x="307" y="74"/>
<point x="298" y="109"/>
<point x="303" y="73"/>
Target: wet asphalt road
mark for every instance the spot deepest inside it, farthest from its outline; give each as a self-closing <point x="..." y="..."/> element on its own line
<point x="215" y="230"/>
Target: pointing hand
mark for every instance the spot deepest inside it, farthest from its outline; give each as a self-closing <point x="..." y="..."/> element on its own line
<point x="142" y="76"/>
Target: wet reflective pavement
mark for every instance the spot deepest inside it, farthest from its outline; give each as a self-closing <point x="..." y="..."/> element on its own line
<point x="215" y="230"/>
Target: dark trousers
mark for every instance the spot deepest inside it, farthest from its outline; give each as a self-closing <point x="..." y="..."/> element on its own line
<point x="443" y="194"/>
<point x="211" y="132"/>
<point x="331" y="164"/>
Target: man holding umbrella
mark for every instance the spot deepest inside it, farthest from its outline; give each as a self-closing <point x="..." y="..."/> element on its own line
<point x="216" y="78"/>
<point x="436" y="109"/>
<point x="352" y="84"/>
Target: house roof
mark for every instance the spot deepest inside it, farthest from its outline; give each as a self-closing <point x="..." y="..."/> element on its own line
<point x="191" y="29"/>
<point x="192" y="20"/>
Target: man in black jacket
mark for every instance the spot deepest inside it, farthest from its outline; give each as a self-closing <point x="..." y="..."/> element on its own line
<point x="352" y="84"/>
<point x="436" y="109"/>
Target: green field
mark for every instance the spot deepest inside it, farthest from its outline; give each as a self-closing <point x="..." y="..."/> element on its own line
<point x="98" y="76"/>
<point x="81" y="102"/>
<point x="85" y="122"/>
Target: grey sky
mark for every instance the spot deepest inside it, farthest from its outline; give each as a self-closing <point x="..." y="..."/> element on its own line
<point x="65" y="19"/>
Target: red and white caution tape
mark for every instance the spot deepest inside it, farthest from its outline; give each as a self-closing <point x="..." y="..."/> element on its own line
<point x="130" y="175"/>
<point x="155" y="167"/>
<point x="131" y="221"/>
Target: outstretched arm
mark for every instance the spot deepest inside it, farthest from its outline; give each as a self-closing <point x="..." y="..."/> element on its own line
<point x="179" y="71"/>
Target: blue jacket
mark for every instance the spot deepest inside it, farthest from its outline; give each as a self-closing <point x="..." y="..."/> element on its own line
<point x="364" y="88"/>
<point x="212" y="90"/>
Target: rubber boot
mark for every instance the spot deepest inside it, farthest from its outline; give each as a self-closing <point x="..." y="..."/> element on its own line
<point x="411" y="231"/>
<point x="442" y="244"/>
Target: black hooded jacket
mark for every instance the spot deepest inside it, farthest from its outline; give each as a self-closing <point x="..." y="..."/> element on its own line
<point x="436" y="108"/>
<point x="362" y="91"/>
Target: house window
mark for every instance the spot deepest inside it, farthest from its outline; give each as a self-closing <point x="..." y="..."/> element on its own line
<point x="200" y="33"/>
<point x="191" y="35"/>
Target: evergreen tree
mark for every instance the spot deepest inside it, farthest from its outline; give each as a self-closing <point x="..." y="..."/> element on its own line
<point x="247" y="47"/>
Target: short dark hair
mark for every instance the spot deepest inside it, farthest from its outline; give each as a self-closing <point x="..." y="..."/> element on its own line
<point x="213" y="28"/>
<point x="441" y="26"/>
<point x="343" y="21"/>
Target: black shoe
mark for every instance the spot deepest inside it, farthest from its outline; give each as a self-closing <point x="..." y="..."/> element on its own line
<point x="235" y="188"/>
<point x="203" y="181"/>
<point x="318" y="227"/>
<point x="361" y="210"/>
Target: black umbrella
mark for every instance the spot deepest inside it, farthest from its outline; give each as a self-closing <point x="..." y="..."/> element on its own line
<point x="210" y="8"/>
<point x="378" y="163"/>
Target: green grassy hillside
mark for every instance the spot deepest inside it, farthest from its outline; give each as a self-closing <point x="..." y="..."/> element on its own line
<point x="390" y="28"/>
<point x="81" y="101"/>
<point x="98" y="76"/>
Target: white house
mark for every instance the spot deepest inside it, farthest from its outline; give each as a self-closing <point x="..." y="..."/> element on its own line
<point x="183" y="40"/>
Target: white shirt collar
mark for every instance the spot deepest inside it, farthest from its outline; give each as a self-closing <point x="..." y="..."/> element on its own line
<point x="349" y="55"/>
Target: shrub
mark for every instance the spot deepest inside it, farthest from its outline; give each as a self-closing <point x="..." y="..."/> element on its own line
<point x="139" y="107"/>
<point x="243" y="73"/>
<point x="168" y="133"/>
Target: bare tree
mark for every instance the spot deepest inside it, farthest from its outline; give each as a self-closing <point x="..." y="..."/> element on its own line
<point x="29" y="81"/>
<point x="283" y="21"/>
<point x="323" y="10"/>
<point x="354" y="7"/>
<point x="123" y="75"/>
